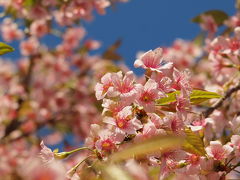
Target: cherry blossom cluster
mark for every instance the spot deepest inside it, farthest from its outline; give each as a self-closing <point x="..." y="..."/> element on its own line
<point x="65" y="12"/>
<point x="107" y="108"/>
<point x="46" y="87"/>
<point x="131" y="114"/>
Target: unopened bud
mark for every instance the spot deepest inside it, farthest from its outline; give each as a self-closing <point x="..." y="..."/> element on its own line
<point x="61" y="155"/>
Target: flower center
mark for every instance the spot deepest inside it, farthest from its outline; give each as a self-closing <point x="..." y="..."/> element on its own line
<point x="107" y="144"/>
<point x="106" y="86"/>
<point x="120" y="123"/>
<point x="146" y="97"/>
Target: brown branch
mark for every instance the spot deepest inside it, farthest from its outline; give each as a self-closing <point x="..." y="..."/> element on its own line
<point x="8" y="139"/>
<point x="15" y="123"/>
<point x="227" y="94"/>
<point x="27" y="79"/>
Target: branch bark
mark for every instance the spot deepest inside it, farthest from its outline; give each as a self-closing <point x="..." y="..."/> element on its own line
<point x="227" y="94"/>
<point x="15" y="123"/>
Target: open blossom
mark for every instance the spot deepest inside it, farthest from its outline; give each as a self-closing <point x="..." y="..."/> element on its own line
<point x="105" y="87"/>
<point x="233" y="21"/>
<point x="235" y="125"/>
<point x="124" y="86"/>
<point x="181" y="80"/>
<point x="153" y="60"/>
<point x="128" y="113"/>
<point x="208" y="23"/>
<point x="38" y="12"/>
<point x="174" y="123"/>
<point x="183" y="103"/>
<point x="182" y="53"/>
<point x="235" y="140"/>
<point x="46" y="153"/>
<point x="10" y="30"/>
<point x="207" y="167"/>
<point x="73" y="36"/>
<point x="108" y="139"/>
<point x="101" y="5"/>
<point x="149" y="130"/>
<point x="170" y="161"/>
<point x="29" y="46"/>
<point x="217" y="45"/>
<point x="39" y="28"/>
<point x="156" y="120"/>
<point x="164" y="82"/>
<point x="113" y="106"/>
<point x="218" y="151"/>
<point x="124" y="122"/>
<point x="147" y="95"/>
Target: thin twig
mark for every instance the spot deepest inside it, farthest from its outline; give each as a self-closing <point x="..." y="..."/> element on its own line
<point x="236" y="171"/>
<point x="228" y="93"/>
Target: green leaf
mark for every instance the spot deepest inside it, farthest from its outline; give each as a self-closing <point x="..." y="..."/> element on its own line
<point x="193" y="143"/>
<point x="154" y="172"/>
<point x="155" y="144"/>
<point x="29" y="3"/>
<point x="218" y="15"/>
<point x="199" y="96"/>
<point x="171" y="97"/>
<point x="4" y="48"/>
<point x="196" y="97"/>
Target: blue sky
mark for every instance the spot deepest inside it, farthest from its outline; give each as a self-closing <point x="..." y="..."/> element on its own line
<point x="147" y="24"/>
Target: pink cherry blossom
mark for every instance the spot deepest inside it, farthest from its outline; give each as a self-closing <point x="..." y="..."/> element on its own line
<point x="46" y="153"/>
<point x="147" y="95"/>
<point x="125" y="86"/>
<point x="108" y="140"/>
<point x="30" y="46"/>
<point x="233" y="21"/>
<point x="113" y="107"/>
<point x="235" y="140"/>
<point x="39" y="28"/>
<point x="208" y="23"/>
<point x="149" y="130"/>
<point x="54" y="88"/>
<point x="124" y="122"/>
<point x="101" y="5"/>
<point x="182" y="103"/>
<point x="174" y="122"/>
<point x="235" y="125"/>
<point x="73" y="36"/>
<point x="153" y="60"/>
<point x="218" y="45"/>
<point x="105" y="87"/>
<point x="38" y="12"/>
<point x="164" y="82"/>
<point x="181" y="80"/>
<point x="218" y="151"/>
<point x="10" y="30"/>
<point x="157" y="121"/>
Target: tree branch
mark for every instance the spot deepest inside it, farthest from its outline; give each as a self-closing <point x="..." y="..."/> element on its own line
<point x="227" y="94"/>
<point x="15" y="123"/>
